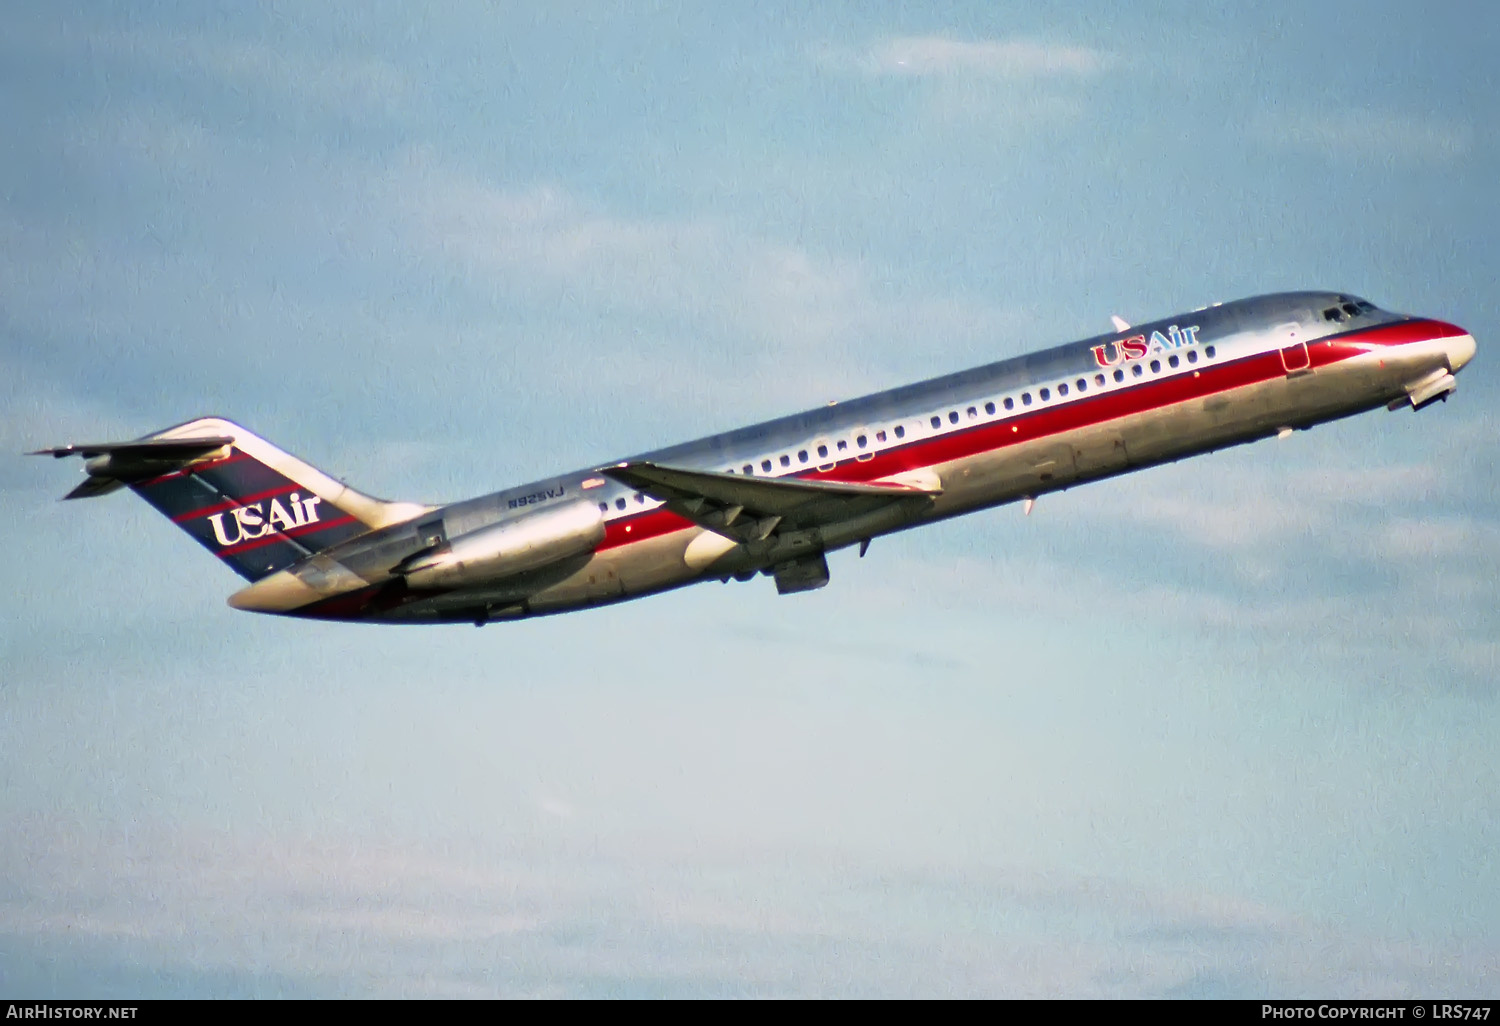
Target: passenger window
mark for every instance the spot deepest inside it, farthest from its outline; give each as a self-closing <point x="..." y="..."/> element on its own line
<point x="1137" y="370"/>
<point x="1009" y="404"/>
<point x="973" y="413"/>
<point x="765" y="465"/>
<point x="1119" y="374"/>
<point x="619" y="503"/>
<point x="1172" y="360"/>
<point x="1192" y="356"/>
<point x="802" y="456"/>
<point x="937" y="422"/>
<point x="880" y="435"/>
<point x="786" y="461"/>
<point x="1062" y="389"/>
<point x="1083" y="384"/>
<point x="861" y="441"/>
<point x="1209" y="352"/>
<point x="640" y="500"/>
<point x="952" y="416"/>
<point x="822" y="450"/>
<point x="843" y="445"/>
<point x="1025" y="398"/>
<point x="749" y="468"/>
<point x="1155" y="366"/>
<point x="603" y="507"/>
<point x="1044" y="394"/>
<point x="900" y="431"/>
<point x="989" y="408"/>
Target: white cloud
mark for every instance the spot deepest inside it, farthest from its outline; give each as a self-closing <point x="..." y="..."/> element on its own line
<point x="1015" y="58"/>
<point x="399" y="920"/>
<point x="755" y="302"/>
<point x="1366" y="135"/>
<point x="1376" y="572"/>
<point x="994" y="87"/>
<point x="282" y="70"/>
<point x="1261" y="504"/>
<point x="396" y="919"/>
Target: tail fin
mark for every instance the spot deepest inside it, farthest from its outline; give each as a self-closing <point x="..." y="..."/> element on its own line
<point x="256" y="507"/>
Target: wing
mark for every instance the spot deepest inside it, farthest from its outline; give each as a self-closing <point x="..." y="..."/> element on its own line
<point x="745" y="508"/>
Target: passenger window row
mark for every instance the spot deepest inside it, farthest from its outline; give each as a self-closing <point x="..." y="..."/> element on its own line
<point x="861" y="442"/>
<point x="621" y="503"/>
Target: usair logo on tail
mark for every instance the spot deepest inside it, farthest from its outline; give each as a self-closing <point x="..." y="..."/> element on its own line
<point x="246" y="523"/>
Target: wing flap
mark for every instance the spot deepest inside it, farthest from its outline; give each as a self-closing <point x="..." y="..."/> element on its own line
<point x="748" y="508"/>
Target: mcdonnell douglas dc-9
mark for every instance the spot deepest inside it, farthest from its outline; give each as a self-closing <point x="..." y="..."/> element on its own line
<point x="775" y="498"/>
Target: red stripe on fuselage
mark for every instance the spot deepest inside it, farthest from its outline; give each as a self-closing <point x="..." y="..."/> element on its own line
<point x="1150" y="393"/>
<point x="1401" y="333"/>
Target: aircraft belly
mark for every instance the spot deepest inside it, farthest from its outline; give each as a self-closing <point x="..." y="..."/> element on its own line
<point x="1255" y="411"/>
<point x="1099" y="450"/>
<point x="635" y="569"/>
<point x="1153" y="436"/>
<point x="624" y="572"/>
<point x="601" y="581"/>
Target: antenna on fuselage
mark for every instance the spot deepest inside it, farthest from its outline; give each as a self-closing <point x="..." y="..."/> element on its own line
<point x="1119" y="322"/>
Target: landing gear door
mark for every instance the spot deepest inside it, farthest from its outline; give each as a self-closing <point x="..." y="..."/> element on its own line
<point x="1295" y="358"/>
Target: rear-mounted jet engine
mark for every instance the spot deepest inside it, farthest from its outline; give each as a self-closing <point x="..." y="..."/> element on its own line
<point x="508" y="548"/>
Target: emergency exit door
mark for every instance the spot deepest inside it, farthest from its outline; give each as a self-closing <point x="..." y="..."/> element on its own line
<point x="1295" y="359"/>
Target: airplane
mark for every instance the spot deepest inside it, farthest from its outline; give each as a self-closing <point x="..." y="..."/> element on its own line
<point x="775" y="498"/>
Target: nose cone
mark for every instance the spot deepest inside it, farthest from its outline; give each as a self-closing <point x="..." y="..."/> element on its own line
<point x="1460" y="350"/>
<point x="1457" y="344"/>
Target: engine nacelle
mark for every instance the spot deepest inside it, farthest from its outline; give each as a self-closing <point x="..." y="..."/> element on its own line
<point x="511" y="547"/>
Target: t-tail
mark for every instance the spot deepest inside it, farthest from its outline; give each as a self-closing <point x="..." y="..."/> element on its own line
<point x="256" y="507"/>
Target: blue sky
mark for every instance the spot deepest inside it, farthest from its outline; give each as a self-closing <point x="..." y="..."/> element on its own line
<point x="1222" y="728"/>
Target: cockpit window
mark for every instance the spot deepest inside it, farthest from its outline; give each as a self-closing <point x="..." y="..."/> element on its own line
<point x="1348" y="307"/>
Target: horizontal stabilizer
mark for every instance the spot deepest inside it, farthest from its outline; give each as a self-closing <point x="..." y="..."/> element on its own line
<point x="93" y="487"/>
<point x="168" y="449"/>
<point x="111" y="465"/>
<point x="747" y="508"/>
